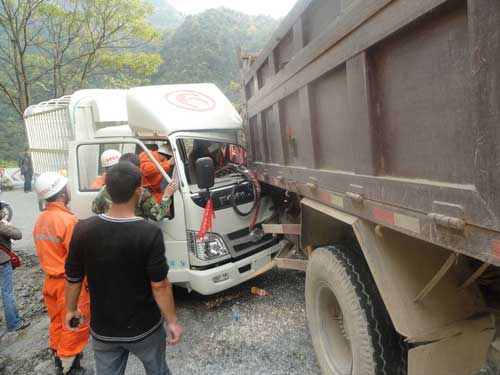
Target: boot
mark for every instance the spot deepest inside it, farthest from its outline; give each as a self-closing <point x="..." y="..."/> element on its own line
<point x="58" y="363"/>
<point x="78" y="371"/>
<point x="76" y="367"/>
<point x="76" y="361"/>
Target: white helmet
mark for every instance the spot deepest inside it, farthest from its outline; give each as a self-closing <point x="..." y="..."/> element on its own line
<point x="165" y="149"/>
<point x="49" y="184"/>
<point x="110" y="157"/>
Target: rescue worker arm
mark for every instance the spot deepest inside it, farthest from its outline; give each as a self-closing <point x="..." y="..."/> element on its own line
<point x="10" y="231"/>
<point x="101" y="202"/>
<point x="75" y="273"/>
<point x="68" y="233"/>
<point x="158" y="211"/>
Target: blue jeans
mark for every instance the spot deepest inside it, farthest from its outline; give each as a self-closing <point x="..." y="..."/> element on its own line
<point x="111" y="358"/>
<point x="27" y="182"/>
<point x="8" y="300"/>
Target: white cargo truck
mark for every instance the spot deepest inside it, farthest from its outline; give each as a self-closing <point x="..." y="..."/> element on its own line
<point x="71" y="133"/>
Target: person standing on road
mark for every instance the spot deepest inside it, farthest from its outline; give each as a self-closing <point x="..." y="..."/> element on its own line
<point x="26" y="168"/>
<point x="52" y="235"/>
<point x="8" y="232"/>
<point x="127" y="276"/>
<point x="147" y="207"/>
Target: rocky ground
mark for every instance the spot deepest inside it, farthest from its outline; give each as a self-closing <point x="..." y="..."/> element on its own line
<point x="270" y="337"/>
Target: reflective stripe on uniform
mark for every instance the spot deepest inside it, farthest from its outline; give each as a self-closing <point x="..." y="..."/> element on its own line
<point x="47" y="237"/>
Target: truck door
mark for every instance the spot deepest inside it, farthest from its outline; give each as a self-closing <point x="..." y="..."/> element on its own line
<point x="84" y="169"/>
<point x="86" y="173"/>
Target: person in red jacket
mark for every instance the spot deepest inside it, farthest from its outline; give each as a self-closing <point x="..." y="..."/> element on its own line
<point x="151" y="176"/>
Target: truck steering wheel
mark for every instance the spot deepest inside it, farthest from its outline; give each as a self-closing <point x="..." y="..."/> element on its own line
<point x="241" y="170"/>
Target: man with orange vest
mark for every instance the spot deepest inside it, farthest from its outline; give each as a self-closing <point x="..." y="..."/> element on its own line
<point x="108" y="159"/>
<point x="52" y="235"/>
<point x="151" y="176"/>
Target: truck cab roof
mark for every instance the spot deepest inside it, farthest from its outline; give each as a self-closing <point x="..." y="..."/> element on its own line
<point x="154" y="111"/>
<point x="167" y="109"/>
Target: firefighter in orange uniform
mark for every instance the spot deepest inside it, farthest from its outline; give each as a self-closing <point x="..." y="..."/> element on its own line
<point x="108" y="159"/>
<point x="52" y="235"/>
<point x="151" y="176"/>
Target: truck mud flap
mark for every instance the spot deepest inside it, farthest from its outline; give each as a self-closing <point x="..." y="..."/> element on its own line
<point x="460" y="349"/>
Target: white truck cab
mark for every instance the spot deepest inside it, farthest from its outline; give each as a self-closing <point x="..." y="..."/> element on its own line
<point x="196" y="120"/>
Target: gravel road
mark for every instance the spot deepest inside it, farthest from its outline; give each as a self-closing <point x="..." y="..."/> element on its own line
<point x="270" y="338"/>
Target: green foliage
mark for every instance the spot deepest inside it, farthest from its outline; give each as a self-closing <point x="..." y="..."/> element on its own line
<point x="12" y="136"/>
<point x="70" y="48"/>
<point x="204" y="48"/>
<point x="8" y="163"/>
<point x="138" y="62"/>
<point x="60" y="46"/>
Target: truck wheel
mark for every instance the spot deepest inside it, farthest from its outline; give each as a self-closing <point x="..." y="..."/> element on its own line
<point x="351" y="330"/>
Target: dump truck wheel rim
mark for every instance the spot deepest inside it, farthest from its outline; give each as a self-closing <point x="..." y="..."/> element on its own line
<point x="334" y="336"/>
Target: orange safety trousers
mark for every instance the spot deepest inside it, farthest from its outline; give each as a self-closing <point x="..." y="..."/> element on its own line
<point x="66" y="342"/>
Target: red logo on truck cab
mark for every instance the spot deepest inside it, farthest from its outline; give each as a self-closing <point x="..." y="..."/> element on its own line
<point x="191" y="100"/>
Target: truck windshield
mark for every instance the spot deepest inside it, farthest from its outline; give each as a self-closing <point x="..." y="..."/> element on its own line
<point x="222" y="153"/>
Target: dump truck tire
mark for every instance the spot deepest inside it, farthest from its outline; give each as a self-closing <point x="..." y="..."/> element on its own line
<point x="350" y="327"/>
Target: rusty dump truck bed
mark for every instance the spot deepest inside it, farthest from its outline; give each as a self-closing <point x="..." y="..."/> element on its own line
<point x="389" y="110"/>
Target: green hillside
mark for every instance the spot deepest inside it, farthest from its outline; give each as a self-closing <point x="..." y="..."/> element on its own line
<point x="196" y="48"/>
<point x="204" y="48"/>
<point x="165" y="15"/>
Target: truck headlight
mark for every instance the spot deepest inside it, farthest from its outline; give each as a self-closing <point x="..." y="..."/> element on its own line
<point x="210" y="247"/>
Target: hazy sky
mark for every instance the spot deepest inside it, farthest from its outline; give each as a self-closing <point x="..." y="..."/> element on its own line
<point x="275" y="8"/>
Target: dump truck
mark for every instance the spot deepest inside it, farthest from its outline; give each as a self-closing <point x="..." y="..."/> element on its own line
<point x="376" y="126"/>
<point x="194" y="120"/>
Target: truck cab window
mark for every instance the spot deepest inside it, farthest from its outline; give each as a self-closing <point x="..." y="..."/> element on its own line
<point x="94" y="159"/>
<point x="220" y="152"/>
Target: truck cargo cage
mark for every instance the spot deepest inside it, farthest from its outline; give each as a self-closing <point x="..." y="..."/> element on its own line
<point x="49" y="131"/>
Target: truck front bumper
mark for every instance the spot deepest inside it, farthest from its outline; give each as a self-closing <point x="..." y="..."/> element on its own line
<point x="220" y="278"/>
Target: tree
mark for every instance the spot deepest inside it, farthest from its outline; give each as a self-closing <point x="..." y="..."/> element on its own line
<point x="59" y="46"/>
<point x="16" y="22"/>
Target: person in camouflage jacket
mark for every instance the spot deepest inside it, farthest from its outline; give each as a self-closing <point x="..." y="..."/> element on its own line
<point x="147" y="207"/>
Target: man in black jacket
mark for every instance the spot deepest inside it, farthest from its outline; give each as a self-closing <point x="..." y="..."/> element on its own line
<point x="26" y="167"/>
<point x="8" y="232"/>
<point x="123" y="258"/>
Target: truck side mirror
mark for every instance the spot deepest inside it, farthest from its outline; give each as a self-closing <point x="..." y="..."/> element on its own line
<point x="205" y="173"/>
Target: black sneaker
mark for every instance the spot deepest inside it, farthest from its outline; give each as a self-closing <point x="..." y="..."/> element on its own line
<point x="58" y="363"/>
<point x="78" y="371"/>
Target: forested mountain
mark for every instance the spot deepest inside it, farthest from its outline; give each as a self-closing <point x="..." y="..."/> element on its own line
<point x="165" y="15"/>
<point x="194" y="48"/>
<point x="204" y="48"/>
